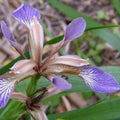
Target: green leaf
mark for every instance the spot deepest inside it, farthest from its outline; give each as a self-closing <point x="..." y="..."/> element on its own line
<point x="54" y="40"/>
<point x="12" y="111"/>
<point x="102" y="27"/>
<point x="104" y="34"/>
<point x="87" y="95"/>
<point x="104" y="110"/>
<point x="22" y="86"/>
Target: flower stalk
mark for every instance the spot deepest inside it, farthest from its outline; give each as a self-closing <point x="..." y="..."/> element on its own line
<point x="32" y="85"/>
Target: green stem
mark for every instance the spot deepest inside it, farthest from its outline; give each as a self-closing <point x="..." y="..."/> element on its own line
<point x="32" y="85"/>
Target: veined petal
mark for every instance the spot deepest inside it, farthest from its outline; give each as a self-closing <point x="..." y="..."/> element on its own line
<point x="59" y="83"/>
<point x="71" y="60"/>
<point x="23" y="66"/>
<point x="8" y="35"/>
<point x="99" y="80"/>
<point x="6" y="89"/>
<point x="75" y="29"/>
<point x="30" y="16"/>
<point x="25" y="13"/>
<point x="36" y="39"/>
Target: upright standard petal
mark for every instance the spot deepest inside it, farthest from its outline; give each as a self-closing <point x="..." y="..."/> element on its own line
<point x="6" y="89"/>
<point x="75" y="29"/>
<point x="30" y="16"/>
<point x="99" y="80"/>
<point x="25" y="13"/>
<point x="8" y="35"/>
<point x="59" y="83"/>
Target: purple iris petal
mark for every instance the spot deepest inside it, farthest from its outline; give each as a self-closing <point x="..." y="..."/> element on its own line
<point x="99" y="80"/>
<point x="25" y="13"/>
<point x="6" y="89"/>
<point x="60" y="83"/>
<point x="8" y="35"/>
<point x="75" y="29"/>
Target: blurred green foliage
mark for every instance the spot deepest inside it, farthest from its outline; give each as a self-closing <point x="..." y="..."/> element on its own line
<point x="101" y="15"/>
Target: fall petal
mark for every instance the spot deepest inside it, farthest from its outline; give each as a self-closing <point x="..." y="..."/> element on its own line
<point x="25" y="13"/>
<point x="6" y="89"/>
<point x="99" y="80"/>
<point x="60" y="83"/>
<point x="75" y="29"/>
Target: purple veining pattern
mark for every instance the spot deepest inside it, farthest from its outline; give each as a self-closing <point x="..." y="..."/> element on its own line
<point x="6" y="89"/>
<point x="99" y="80"/>
<point x="25" y="13"/>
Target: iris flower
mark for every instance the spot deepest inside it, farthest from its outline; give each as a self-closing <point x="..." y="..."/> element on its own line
<point x="51" y="66"/>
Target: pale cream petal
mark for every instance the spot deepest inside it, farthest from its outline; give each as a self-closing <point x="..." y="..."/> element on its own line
<point x="36" y="39"/>
<point x="23" y="66"/>
<point x="62" y="69"/>
<point x="71" y="60"/>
